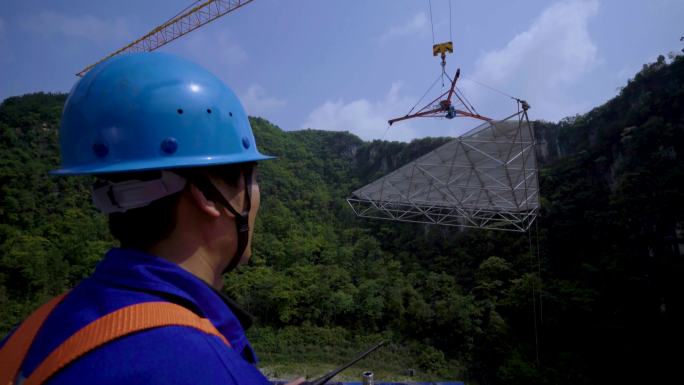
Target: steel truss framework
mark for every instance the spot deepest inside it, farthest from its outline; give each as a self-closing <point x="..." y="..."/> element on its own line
<point x="486" y="178"/>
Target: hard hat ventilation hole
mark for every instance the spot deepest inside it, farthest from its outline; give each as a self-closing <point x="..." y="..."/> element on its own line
<point x="100" y="149"/>
<point x="208" y="110"/>
<point x="180" y="111"/>
<point x="169" y="145"/>
<point x="230" y="113"/>
<point x="245" y="142"/>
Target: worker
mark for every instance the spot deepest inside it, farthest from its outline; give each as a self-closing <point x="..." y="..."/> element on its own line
<point x="174" y="159"/>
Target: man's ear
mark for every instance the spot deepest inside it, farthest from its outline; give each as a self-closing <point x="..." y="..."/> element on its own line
<point x="207" y="206"/>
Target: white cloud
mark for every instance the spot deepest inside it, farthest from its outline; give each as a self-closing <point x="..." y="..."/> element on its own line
<point x="85" y="27"/>
<point x="215" y="49"/>
<point x="256" y="102"/>
<point x="364" y="118"/>
<point x="368" y="119"/>
<point x="544" y="63"/>
<point x="417" y="24"/>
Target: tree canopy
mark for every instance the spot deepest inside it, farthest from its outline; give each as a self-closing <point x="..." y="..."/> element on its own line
<point x="600" y="300"/>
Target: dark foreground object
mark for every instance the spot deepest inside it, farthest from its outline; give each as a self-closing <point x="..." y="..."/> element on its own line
<point x="384" y="383"/>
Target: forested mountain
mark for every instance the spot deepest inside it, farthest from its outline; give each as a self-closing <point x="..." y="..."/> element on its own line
<point x="455" y="304"/>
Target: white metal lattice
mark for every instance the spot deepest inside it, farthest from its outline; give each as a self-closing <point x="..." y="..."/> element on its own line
<point x="486" y="178"/>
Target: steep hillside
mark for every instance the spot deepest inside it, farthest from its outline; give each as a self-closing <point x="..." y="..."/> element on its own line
<point x="613" y="222"/>
<point x="454" y="304"/>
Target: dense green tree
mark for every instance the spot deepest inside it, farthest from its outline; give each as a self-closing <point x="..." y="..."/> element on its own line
<point x="594" y="289"/>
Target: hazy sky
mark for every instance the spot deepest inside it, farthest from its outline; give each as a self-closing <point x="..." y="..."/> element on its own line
<point x="352" y="65"/>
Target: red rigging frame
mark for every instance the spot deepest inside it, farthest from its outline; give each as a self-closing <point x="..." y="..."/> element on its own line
<point x="442" y="106"/>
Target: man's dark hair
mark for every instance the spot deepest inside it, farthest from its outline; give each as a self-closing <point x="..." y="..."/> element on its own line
<point x="144" y="227"/>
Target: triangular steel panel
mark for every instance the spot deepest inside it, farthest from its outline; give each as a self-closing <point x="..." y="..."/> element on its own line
<point x="488" y="174"/>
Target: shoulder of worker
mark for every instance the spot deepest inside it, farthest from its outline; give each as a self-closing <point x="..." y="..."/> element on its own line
<point x="169" y="355"/>
<point x="126" y="278"/>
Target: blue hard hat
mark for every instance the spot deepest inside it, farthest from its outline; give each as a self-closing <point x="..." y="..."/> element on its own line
<point x="150" y="111"/>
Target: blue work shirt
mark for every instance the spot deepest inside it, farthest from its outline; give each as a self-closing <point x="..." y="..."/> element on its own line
<point x="166" y="355"/>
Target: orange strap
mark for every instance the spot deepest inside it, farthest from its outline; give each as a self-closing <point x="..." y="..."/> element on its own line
<point x="13" y="352"/>
<point x="117" y="324"/>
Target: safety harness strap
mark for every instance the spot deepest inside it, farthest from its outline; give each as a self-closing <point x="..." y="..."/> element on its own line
<point x="13" y="352"/>
<point x="128" y="320"/>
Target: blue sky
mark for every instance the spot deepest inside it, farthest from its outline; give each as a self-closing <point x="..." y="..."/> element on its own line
<point x="351" y="65"/>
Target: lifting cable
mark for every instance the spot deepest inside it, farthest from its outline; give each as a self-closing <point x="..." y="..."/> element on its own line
<point x="450" y="38"/>
<point x="461" y="97"/>
<point x="432" y="25"/>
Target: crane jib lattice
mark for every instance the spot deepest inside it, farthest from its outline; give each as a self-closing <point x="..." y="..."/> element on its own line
<point x="176" y="27"/>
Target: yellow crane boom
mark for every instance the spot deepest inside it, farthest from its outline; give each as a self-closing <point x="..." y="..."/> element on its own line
<point x="176" y="27"/>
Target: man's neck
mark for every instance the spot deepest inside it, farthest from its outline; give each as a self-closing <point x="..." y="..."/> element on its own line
<point x="193" y="259"/>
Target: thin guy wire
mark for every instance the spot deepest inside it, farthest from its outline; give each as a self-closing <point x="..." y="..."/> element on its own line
<point x="534" y="300"/>
<point x="490" y="87"/>
<point x="541" y="292"/>
<point x="536" y="227"/>
<point x="529" y="239"/>
<point x="383" y="135"/>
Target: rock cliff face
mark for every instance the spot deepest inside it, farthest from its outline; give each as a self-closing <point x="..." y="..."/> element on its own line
<point x="548" y="146"/>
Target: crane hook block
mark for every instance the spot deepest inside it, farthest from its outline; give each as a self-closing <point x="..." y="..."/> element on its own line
<point x="443" y="48"/>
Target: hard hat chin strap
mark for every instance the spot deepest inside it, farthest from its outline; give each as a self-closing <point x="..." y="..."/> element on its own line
<point x="241" y="219"/>
<point x="110" y="197"/>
